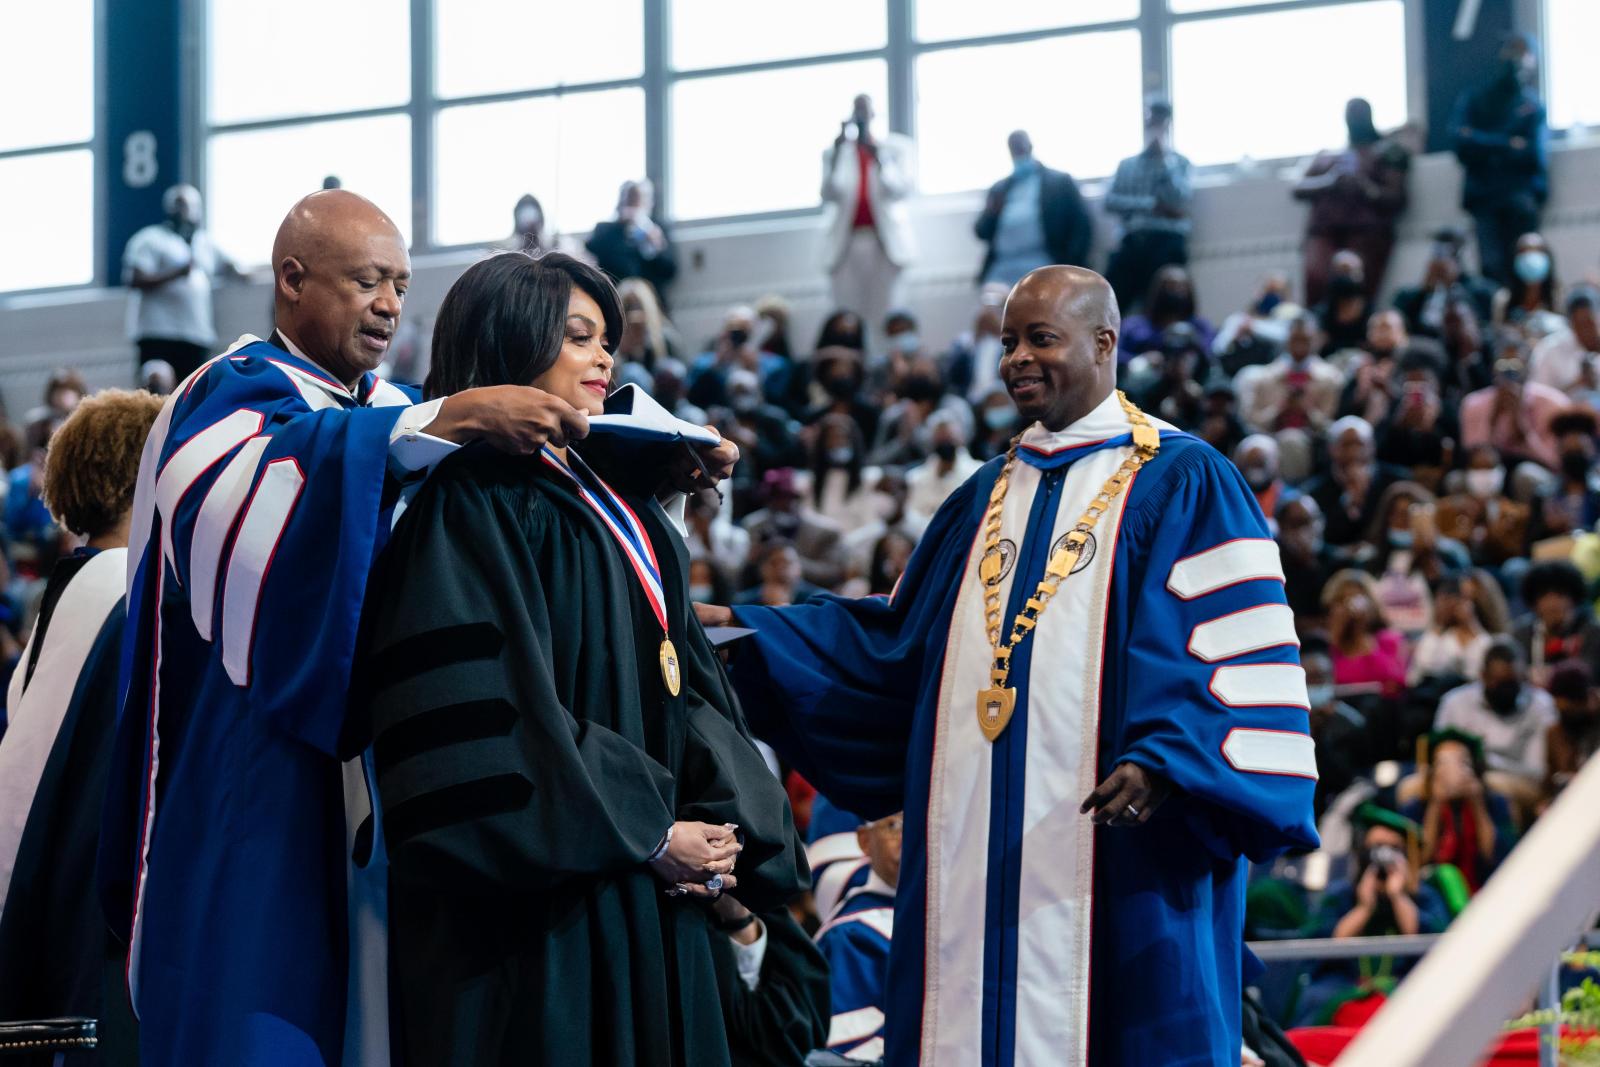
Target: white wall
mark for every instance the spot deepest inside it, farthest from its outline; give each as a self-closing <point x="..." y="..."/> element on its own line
<point x="1244" y="226"/>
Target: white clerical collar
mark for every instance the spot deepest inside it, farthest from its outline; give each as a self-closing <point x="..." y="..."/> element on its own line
<point x="1105" y="422"/>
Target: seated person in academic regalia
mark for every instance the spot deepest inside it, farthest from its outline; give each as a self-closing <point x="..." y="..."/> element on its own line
<point x="54" y="946"/>
<point x="774" y="985"/>
<point x="566" y="778"/>
<point x="833" y="849"/>
<point x="855" y="942"/>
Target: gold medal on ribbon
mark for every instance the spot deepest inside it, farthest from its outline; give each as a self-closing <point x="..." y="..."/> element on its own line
<point x="671" y="674"/>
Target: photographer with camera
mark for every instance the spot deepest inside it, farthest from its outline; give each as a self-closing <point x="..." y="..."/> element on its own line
<point x="1382" y="896"/>
<point x="1465" y="823"/>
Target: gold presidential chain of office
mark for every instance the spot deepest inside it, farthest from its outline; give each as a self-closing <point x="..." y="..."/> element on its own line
<point x="996" y="704"/>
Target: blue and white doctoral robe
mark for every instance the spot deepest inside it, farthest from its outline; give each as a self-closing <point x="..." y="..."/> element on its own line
<point x="1025" y="935"/>
<point x="855" y="942"/>
<point x="834" y="852"/>
<point x="265" y="492"/>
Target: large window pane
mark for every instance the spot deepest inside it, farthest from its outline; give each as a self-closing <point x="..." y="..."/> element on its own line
<point x="255" y="176"/>
<point x="572" y="152"/>
<point x="47" y="216"/>
<point x="497" y="46"/>
<point x="1312" y="60"/>
<point x="948" y="20"/>
<point x="724" y="33"/>
<point x="47" y="74"/>
<point x="1571" y="29"/>
<point x="307" y="57"/>
<point x="754" y="142"/>
<point x="969" y="99"/>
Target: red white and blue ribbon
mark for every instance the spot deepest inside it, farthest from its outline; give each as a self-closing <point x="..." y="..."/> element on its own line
<point x="624" y="525"/>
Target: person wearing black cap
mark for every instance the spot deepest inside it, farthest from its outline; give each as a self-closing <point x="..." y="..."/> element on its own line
<point x="1150" y="193"/>
<point x="1499" y="132"/>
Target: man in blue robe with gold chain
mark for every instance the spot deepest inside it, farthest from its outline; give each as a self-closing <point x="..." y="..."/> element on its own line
<point x="1085" y="693"/>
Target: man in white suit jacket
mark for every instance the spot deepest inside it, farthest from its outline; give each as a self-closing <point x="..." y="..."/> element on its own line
<point x="865" y="182"/>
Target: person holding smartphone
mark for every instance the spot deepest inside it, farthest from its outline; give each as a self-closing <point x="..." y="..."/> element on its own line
<point x="866" y="179"/>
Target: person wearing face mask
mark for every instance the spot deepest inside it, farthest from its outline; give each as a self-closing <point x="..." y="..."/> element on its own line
<point x="1346" y="311"/>
<point x="1512" y="717"/>
<point x="1567" y="359"/>
<point x="903" y="433"/>
<point x="527" y="227"/>
<point x="634" y="244"/>
<point x="936" y="477"/>
<point x="997" y="423"/>
<point x="1258" y="459"/>
<point x="1528" y="303"/>
<point x="843" y="486"/>
<point x="1366" y="650"/>
<point x="1572" y="502"/>
<point x="1170" y="302"/>
<point x="902" y="342"/>
<point x="1575" y="736"/>
<point x="773" y="437"/>
<point x="170" y="266"/>
<point x="1151" y="195"/>
<point x="1355" y="194"/>
<point x="1455" y="642"/>
<point x="838" y="377"/>
<point x="1032" y="217"/>
<point x="1406" y="553"/>
<point x="1297" y="390"/>
<point x="736" y="346"/>
<point x="1344" y="747"/>
<point x="1499" y="134"/>
<point x="1513" y="415"/>
<point x="1483" y="516"/>
<point x="712" y="536"/>
<point x="972" y="364"/>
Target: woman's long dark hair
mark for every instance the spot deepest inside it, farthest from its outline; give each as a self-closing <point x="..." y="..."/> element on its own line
<point x="819" y="456"/>
<point x="503" y="322"/>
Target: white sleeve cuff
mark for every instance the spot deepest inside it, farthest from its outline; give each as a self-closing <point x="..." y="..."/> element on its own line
<point x="410" y="449"/>
<point x="749" y="958"/>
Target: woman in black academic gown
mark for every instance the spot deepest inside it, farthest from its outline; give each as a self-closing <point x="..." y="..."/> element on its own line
<point x="566" y="778"/>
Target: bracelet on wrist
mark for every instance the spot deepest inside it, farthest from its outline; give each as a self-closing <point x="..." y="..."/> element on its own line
<point x="661" y="849"/>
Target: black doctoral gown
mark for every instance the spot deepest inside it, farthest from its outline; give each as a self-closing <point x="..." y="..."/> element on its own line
<point x="529" y="760"/>
<point x="786" y="1015"/>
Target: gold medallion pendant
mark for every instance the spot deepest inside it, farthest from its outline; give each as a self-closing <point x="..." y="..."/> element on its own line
<point x="670" y="673"/>
<point x="994" y="710"/>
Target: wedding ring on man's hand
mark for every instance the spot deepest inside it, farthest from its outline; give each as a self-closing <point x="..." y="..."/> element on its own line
<point x="1133" y="812"/>
<point x="679" y="890"/>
